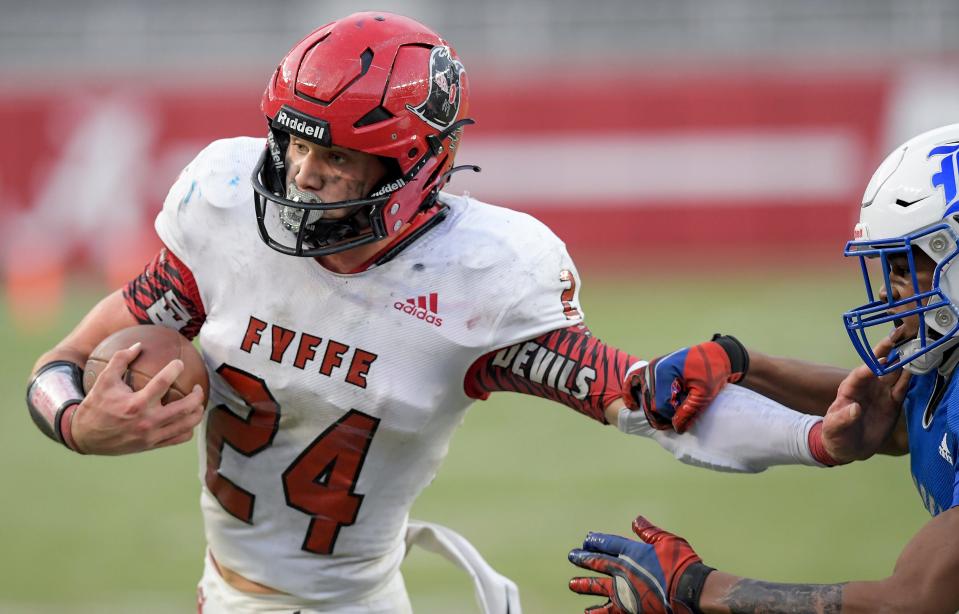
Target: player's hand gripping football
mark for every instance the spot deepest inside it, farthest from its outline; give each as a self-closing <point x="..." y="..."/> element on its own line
<point x="865" y="411"/>
<point x="673" y="389"/>
<point x="113" y="419"/>
<point x="661" y="574"/>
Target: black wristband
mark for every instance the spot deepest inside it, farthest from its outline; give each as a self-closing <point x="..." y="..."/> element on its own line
<point x="690" y="586"/>
<point x="738" y="356"/>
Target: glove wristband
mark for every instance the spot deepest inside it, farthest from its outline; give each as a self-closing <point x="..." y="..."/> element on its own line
<point x="738" y="356"/>
<point x="690" y="586"/>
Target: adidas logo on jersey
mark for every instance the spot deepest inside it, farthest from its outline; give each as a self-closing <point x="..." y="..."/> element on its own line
<point x="424" y="308"/>
<point x="944" y="449"/>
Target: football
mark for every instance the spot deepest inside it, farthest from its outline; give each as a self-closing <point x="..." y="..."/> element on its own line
<point x="160" y="346"/>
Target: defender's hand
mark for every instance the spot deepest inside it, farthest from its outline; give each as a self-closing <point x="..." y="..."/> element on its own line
<point x="645" y="577"/>
<point x="673" y="389"/>
<point x="113" y="419"/>
<point x="865" y="410"/>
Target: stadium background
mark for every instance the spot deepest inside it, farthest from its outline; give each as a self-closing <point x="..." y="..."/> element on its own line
<point x="703" y="161"/>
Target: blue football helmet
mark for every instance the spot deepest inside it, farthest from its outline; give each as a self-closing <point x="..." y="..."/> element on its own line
<point x="910" y="204"/>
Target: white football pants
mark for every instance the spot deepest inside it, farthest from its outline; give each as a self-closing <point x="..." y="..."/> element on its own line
<point x="494" y="593"/>
<point x="215" y="596"/>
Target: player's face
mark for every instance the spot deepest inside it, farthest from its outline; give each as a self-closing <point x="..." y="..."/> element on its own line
<point x="332" y="173"/>
<point x="900" y="280"/>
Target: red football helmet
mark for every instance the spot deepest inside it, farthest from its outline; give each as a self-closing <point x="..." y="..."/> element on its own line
<point x="374" y="82"/>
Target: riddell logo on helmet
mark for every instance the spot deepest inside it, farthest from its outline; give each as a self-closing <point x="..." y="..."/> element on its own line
<point x="422" y="308"/>
<point x="297" y="123"/>
<point x="389" y="188"/>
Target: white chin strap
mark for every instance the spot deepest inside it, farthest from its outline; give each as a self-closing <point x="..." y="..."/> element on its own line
<point x="925" y="363"/>
<point x="932" y="359"/>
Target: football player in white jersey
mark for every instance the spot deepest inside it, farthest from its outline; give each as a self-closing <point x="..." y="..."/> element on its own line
<point x="349" y="312"/>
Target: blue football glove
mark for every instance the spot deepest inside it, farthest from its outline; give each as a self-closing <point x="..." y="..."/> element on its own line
<point x="661" y="574"/>
<point x="673" y="389"/>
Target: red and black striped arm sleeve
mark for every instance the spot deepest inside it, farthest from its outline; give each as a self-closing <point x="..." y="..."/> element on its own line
<point x="166" y="294"/>
<point x="569" y="366"/>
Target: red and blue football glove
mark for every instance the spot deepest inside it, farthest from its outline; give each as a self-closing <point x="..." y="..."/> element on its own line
<point x="673" y="389"/>
<point x="661" y="574"/>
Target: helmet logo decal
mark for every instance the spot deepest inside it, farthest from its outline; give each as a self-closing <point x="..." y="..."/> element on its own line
<point x="302" y="125"/>
<point x="442" y="103"/>
<point x="947" y="175"/>
<point x="389" y="188"/>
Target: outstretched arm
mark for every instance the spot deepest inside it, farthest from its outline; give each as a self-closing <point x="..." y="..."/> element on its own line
<point x="574" y="368"/>
<point x="923" y="582"/>
<point x="862" y="412"/>
<point x="569" y="366"/>
<point x="740" y="431"/>
<point x="662" y="571"/>
<point x="797" y="384"/>
<point x="800" y="385"/>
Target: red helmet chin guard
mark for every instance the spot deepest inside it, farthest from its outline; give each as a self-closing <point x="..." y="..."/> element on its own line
<point x="373" y="82"/>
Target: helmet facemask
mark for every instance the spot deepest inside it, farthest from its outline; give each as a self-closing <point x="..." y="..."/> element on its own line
<point x="275" y="197"/>
<point x="937" y="314"/>
<point x="292" y="220"/>
<point x="316" y="234"/>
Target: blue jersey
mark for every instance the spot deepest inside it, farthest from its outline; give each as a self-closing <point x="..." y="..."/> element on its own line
<point x="932" y="417"/>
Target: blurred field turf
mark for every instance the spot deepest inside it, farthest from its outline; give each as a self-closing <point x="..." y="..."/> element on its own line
<point x="524" y="480"/>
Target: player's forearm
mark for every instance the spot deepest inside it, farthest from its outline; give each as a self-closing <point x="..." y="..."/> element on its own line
<point x="108" y="316"/>
<point x="923" y="583"/>
<point x="568" y="365"/>
<point x="728" y="594"/>
<point x="803" y="386"/>
<point x="60" y="352"/>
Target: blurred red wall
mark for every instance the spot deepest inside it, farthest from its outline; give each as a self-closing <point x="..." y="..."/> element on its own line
<point x="714" y="162"/>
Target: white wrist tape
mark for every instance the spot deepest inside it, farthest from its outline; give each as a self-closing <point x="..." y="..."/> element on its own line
<point x="741" y="431"/>
<point x="56" y="386"/>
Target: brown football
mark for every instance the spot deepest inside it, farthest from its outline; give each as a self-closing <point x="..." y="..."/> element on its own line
<point x="160" y="346"/>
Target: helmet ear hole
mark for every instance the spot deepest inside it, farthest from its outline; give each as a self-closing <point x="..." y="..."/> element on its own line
<point x="393" y="173"/>
<point x="377" y="115"/>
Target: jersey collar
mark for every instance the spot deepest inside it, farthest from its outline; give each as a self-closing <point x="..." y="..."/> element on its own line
<point x="419" y="226"/>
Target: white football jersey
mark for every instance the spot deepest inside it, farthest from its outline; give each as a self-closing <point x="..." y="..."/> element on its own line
<point x="334" y="397"/>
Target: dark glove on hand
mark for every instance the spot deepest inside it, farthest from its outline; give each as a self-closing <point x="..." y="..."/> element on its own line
<point x="673" y="389"/>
